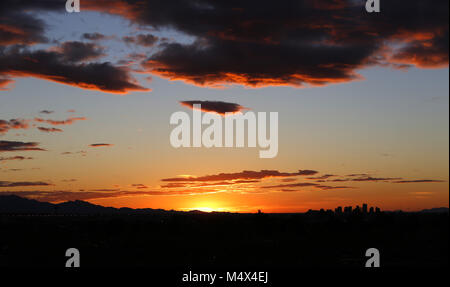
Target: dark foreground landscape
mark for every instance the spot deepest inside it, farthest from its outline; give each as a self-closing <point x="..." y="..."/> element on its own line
<point x="36" y="234"/>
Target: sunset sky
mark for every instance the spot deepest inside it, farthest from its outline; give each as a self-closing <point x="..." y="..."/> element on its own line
<point x="363" y="102"/>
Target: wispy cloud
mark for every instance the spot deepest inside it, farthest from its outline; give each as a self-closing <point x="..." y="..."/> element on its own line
<point x="68" y="121"/>
<point x="419" y="181"/>
<point x="19" y="146"/>
<point x="246" y="174"/>
<point x="15" y="158"/>
<point x="23" y="183"/>
<point x="49" y="130"/>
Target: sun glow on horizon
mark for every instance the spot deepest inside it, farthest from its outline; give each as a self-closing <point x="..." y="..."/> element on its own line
<point x="208" y="207"/>
<point x="203" y="209"/>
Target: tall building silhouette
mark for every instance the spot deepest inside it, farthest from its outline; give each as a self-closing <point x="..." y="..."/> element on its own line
<point x="364" y="208"/>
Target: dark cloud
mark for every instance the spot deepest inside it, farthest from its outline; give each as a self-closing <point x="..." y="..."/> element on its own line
<point x="49" y="130"/>
<point x="106" y="189"/>
<point x="20" y="28"/>
<point x="20" y="22"/>
<point x="419" y="181"/>
<point x="215" y="106"/>
<point x="75" y="51"/>
<point x="363" y="177"/>
<point x="358" y="174"/>
<point x="47" y="112"/>
<point x="369" y="178"/>
<point x="327" y="187"/>
<point x="244" y="175"/>
<point x="51" y="65"/>
<point x="306" y="184"/>
<point x="19" y="146"/>
<point x="195" y="184"/>
<point x="306" y="42"/>
<point x="336" y="180"/>
<point x="22" y="183"/>
<point x="325" y="176"/>
<point x="253" y="43"/>
<point x="307" y="172"/>
<point x="300" y="184"/>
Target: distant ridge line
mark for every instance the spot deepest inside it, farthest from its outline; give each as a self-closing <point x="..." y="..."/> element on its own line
<point x="13" y="204"/>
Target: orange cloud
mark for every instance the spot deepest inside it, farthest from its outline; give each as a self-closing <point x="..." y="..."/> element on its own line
<point x="69" y="121"/>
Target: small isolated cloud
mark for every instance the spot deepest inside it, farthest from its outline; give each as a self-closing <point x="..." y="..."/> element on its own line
<point x="101" y="145"/>
<point x="49" y="130"/>
<point x="217" y="107"/>
<point x="47" y="112"/>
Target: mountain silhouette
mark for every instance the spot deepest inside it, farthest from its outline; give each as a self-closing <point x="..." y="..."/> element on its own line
<point x="14" y="204"/>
